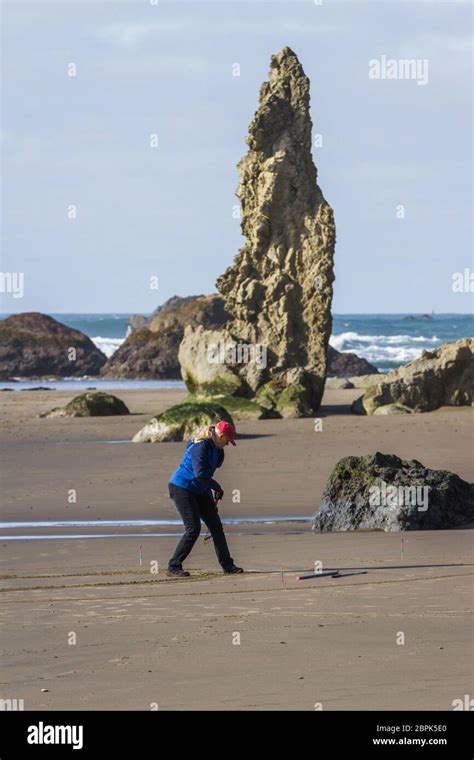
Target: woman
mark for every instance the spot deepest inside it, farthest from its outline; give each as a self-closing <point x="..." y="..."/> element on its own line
<point x="190" y="488"/>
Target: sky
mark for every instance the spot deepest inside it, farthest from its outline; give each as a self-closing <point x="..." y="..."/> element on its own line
<point x="395" y="161"/>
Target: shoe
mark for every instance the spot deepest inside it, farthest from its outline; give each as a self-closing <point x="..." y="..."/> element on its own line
<point x="173" y="571"/>
<point x="233" y="569"/>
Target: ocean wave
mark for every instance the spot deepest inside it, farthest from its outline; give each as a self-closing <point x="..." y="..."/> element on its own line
<point x="384" y="350"/>
<point x="394" y="349"/>
<point x="108" y="346"/>
<point x="346" y="341"/>
<point x="384" y="356"/>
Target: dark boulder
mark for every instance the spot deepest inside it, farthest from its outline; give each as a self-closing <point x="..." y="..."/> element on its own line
<point x="384" y="492"/>
<point x="151" y="351"/>
<point x="348" y="365"/>
<point x="36" y="345"/>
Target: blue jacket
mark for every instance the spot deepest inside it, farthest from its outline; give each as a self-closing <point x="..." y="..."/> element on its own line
<point x="198" y="466"/>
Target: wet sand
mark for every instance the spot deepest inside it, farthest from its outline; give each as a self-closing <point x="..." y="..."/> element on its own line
<point x="144" y="640"/>
<point x="279" y="466"/>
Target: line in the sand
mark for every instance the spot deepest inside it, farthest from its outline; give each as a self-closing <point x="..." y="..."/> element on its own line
<point x="199" y="573"/>
<point x="82" y="536"/>
<point x="30" y="444"/>
<point x="266" y="520"/>
<point x="179" y="581"/>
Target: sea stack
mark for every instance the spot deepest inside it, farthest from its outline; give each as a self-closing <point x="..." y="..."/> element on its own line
<point x="279" y="288"/>
<point x="37" y="345"/>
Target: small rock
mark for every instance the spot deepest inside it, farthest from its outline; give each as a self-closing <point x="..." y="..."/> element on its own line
<point x="338" y="384"/>
<point x="90" y="404"/>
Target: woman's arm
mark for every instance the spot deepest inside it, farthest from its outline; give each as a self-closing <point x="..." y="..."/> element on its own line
<point x="199" y="457"/>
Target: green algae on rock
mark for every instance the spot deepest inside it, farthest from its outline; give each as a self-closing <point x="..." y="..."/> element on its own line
<point x="240" y="408"/>
<point x="181" y="422"/>
<point x="91" y="404"/>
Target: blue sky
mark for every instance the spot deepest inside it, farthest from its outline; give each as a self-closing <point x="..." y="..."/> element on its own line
<point x="167" y="69"/>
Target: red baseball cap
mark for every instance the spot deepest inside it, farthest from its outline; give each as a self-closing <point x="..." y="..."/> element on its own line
<point x="226" y="427"/>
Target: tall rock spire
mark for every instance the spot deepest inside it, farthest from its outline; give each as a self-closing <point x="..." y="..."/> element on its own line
<point x="279" y="288"/>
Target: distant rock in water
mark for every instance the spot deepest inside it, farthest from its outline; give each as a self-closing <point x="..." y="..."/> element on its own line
<point x="348" y="365"/>
<point x="184" y="310"/>
<point x="151" y="352"/>
<point x="36" y="345"/>
<point x="279" y="288"/>
<point x="442" y="377"/>
<point x="181" y="422"/>
<point x="384" y="492"/>
<point x="144" y="355"/>
<point x="37" y="388"/>
<point x="423" y="317"/>
<point x="90" y="404"/>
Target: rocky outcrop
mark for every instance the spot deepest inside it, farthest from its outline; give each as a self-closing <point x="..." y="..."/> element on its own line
<point x="384" y="492"/>
<point x="177" y="312"/>
<point x="338" y="384"/>
<point x="364" y="381"/>
<point x="347" y="364"/>
<point x="181" y="422"/>
<point x="137" y="321"/>
<point x="93" y="404"/>
<point x="442" y="377"/>
<point x="279" y="288"/>
<point x="151" y="350"/>
<point x="145" y="355"/>
<point x="36" y="345"/>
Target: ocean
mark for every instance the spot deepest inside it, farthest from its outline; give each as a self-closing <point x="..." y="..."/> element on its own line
<point x="385" y="340"/>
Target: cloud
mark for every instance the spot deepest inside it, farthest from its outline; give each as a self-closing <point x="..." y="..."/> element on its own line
<point x="125" y="34"/>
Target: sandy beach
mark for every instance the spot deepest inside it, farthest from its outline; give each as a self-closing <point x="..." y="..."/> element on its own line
<point x="85" y="620"/>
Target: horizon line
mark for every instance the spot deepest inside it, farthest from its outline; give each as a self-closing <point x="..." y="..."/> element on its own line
<point x="335" y="314"/>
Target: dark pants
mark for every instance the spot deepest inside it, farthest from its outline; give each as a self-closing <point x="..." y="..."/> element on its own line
<point x="193" y="508"/>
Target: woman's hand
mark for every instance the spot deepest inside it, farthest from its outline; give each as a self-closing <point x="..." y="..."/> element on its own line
<point x="218" y="494"/>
